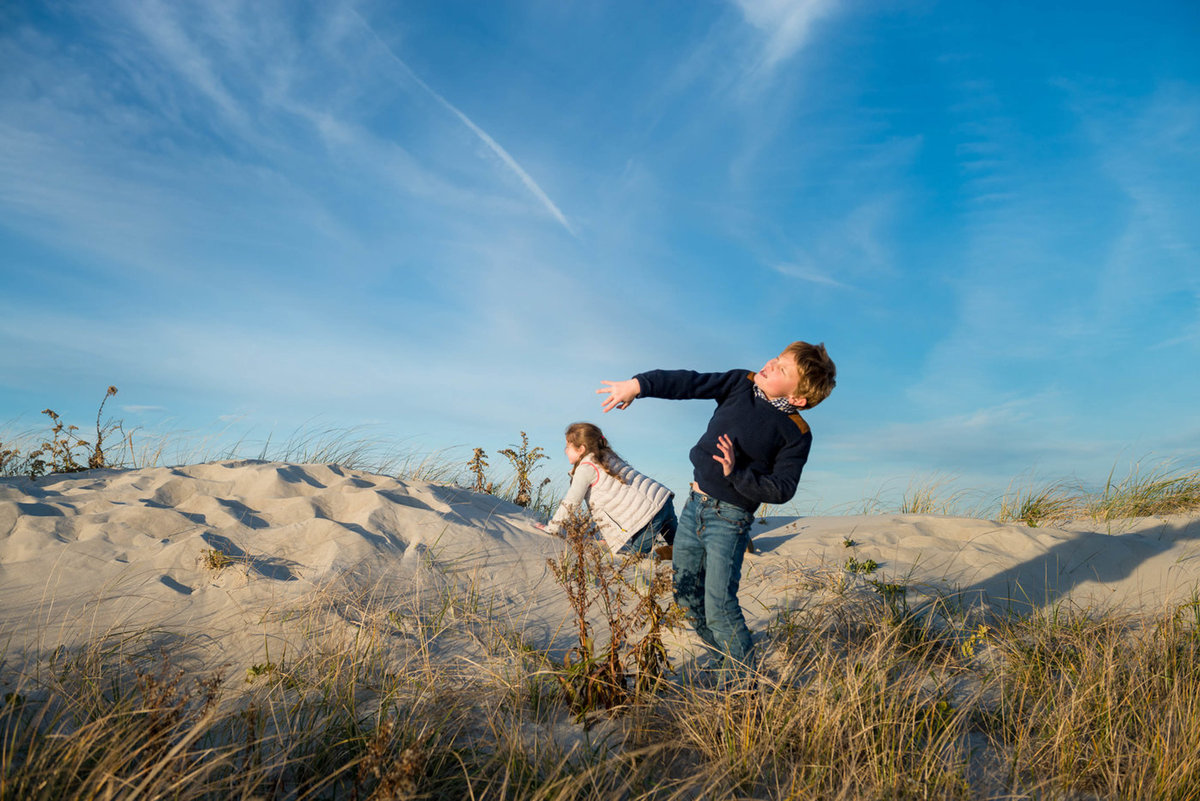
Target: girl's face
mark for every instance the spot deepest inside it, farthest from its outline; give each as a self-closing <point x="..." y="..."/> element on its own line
<point x="574" y="453"/>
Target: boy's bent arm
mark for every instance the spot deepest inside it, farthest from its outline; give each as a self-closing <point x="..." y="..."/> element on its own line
<point x="778" y="486"/>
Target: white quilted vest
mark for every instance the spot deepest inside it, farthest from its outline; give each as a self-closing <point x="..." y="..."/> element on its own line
<point x="622" y="508"/>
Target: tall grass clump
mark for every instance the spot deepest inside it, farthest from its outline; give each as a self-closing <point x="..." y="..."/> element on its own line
<point x="352" y="447"/>
<point x="105" y="727"/>
<point x="1161" y="490"/>
<point x="1098" y="706"/>
<point x="1157" y="491"/>
<point x="1038" y="505"/>
<point x="1144" y="492"/>
<point x="930" y="497"/>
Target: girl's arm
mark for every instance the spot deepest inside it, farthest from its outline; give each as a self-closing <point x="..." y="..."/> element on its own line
<point x="585" y="476"/>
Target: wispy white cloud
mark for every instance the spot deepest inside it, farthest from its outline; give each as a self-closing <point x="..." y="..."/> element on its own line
<point x="807" y="272"/>
<point x="1190" y="334"/>
<point x="841" y="251"/>
<point x="483" y="135"/>
<point x="1151" y="150"/>
<point x="986" y="445"/>
<point x="179" y="51"/>
<point x="109" y="169"/>
<point x="785" y="25"/>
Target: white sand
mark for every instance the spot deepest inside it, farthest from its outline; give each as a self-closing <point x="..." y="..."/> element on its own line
<point x="111" y="552"/>
<point x="1141" y="566"/>
<point x="108" y="553"/>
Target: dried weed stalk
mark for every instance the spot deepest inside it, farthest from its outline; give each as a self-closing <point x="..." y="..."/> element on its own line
<point x="524" y="461"/>
<point x="478" y="467"/>
<point x="65" y="451"/>
<point x="625" y="591"/>
<point x="392" y="776"/>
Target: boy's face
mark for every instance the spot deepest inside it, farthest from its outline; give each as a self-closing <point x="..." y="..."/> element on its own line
<point x="778" y="379"/>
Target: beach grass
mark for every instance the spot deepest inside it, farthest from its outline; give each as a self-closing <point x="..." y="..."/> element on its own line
<point x="935" y="495"/>
<point x="1038" y="505"/>
<point x="1158" y="489"/>
<point x="432" y="697"/>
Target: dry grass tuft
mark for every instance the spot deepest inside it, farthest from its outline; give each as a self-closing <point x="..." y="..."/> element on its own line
<point x="1144" y="492"/>
<point x="519" y="489"/>
<point x="932" y="497"/>
<point x="64" y="451"/>
<point x="1033" y="507"/>
<point x="1158" y="491"/>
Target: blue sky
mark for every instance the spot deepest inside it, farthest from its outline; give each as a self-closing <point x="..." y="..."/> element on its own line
<point x="448" y="221"/>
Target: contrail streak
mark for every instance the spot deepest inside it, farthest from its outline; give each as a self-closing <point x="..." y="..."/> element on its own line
<point x="495" y="147"/>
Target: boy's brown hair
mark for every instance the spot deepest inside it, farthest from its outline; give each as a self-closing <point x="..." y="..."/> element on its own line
<point x="818" y="374"/>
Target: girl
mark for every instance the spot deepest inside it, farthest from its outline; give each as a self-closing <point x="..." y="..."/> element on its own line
<point x="628" y="507"/>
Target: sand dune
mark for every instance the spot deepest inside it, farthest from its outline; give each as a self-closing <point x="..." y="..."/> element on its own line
<point x="1141" y="565"/>
<point x="96" y="554"/>
<point x="106" y="552"/>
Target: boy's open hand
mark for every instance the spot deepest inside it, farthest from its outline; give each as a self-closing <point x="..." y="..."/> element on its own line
<point x="725" y="457"/>
<point x="620" y="393"/>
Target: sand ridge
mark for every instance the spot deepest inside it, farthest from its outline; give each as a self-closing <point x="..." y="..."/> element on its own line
<point x="108" y="551"/>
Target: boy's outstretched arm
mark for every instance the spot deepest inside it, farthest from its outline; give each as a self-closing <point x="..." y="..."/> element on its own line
<point x="620" y="393"/>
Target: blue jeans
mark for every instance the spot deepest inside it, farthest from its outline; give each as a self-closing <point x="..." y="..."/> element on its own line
<point x="664" y="523"/>
<point x="709" y="548"/>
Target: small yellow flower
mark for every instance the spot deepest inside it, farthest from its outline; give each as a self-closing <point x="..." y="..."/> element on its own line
<point x="980" y="635"/>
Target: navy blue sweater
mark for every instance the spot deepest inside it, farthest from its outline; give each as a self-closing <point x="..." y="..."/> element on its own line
<point x="770" y="446"/>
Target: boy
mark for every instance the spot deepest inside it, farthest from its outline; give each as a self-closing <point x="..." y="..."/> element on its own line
<point x="752" y="453"/>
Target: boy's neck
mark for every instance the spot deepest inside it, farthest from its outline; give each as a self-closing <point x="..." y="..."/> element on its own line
<point x="781" y="403"/>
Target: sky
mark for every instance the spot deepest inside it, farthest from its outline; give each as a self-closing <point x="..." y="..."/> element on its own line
<point x="445" y="222"/>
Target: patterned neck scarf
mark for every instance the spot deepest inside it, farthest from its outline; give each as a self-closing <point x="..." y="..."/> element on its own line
<point x="779" y="403"/>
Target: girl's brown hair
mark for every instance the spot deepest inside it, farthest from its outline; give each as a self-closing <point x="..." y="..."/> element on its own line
<point x="592" y="440"/>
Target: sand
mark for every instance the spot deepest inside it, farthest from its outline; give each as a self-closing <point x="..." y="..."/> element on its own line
<point x="116" y="553"/>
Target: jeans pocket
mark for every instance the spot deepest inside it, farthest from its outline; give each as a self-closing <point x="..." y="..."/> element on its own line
<point x="735" y="516"/>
